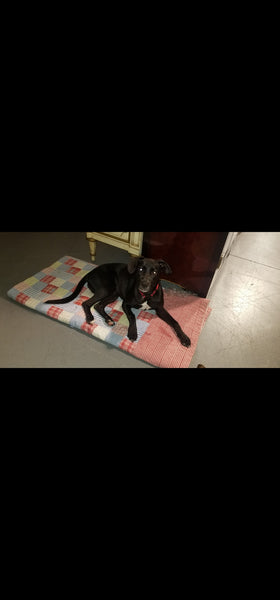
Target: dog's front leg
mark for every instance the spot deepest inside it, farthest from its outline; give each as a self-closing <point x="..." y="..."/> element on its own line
<point x="165" y="316"/>
<point x="132" y="329"/>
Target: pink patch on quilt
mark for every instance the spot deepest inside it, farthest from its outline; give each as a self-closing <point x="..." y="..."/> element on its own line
<point x="161" y="342"/>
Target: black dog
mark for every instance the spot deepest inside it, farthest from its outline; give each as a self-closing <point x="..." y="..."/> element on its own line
<point x="138" y="284"/>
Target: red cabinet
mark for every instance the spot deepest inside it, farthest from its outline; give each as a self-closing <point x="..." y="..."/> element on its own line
<point x="192" y="255"/>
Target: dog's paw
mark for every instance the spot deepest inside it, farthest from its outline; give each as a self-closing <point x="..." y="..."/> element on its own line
<point x="132" y="334"/>
<point x="89" y="318"/>
<point x="110" y="322"/>
<point x="185" y="341"/>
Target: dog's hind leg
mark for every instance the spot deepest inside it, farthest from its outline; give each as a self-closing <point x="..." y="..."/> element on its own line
<point x="86" y="306"/>
<point x="100" y="307"/>
<point x="101" y="301"/>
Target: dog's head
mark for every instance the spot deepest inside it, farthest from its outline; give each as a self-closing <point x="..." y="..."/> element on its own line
<point x="148" y="272"/>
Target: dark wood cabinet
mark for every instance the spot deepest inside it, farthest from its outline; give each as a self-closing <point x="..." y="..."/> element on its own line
<point x="192" y="255"/>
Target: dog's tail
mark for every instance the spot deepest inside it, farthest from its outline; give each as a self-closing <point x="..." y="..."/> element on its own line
<point x="73" y="295"/>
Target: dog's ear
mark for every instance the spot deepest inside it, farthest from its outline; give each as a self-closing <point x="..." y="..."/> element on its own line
<point x="164" y="267"/>
<point x="133" y="264"/>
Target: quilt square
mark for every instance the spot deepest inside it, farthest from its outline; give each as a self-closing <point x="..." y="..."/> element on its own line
<point x="126" y="344"/>
<point x="88" y="327"/>
<point x="32" y="302"/>
<point x="66" y="316"/>
<point x="30" y="281"/>
<point x="54" y="312"/>
<point x="120" y="330"/>
<point x="58" y="281"/>
<point x="22" y="298"/>
<point x="49" y="289"/>
<point x="73" y="270"/>
<point x="80" y="300"/>
<point x="115" y="314"/>
<point x="59" y="292"/>
<point x="48" y="278"/>
<point x="145" y="315"/>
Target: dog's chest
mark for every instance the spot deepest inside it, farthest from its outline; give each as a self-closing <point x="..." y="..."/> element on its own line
<point x="145" y="306"/>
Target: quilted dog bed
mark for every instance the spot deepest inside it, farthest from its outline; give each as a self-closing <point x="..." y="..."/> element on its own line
<point x="156" y="343"/>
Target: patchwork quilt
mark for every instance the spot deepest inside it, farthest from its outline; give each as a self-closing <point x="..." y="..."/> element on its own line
<point x="156" y="343"/>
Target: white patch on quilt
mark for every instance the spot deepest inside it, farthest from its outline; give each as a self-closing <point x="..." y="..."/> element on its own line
<point x="101" y="332"/>
<point x="32" y="302"/>
<point x="65" y="316"/>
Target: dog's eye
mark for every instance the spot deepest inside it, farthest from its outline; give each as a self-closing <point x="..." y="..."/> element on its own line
<point x="140" y="269"/>
<point x="154" y="272"/>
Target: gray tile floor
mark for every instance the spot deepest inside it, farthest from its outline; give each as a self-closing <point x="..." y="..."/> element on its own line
<point x="243" y="329"/>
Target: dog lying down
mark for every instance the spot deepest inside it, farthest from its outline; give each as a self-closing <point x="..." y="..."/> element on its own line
<point x="137" y="283"/>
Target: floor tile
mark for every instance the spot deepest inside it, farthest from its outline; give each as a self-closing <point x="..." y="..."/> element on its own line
<point x="260" y="246"/>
